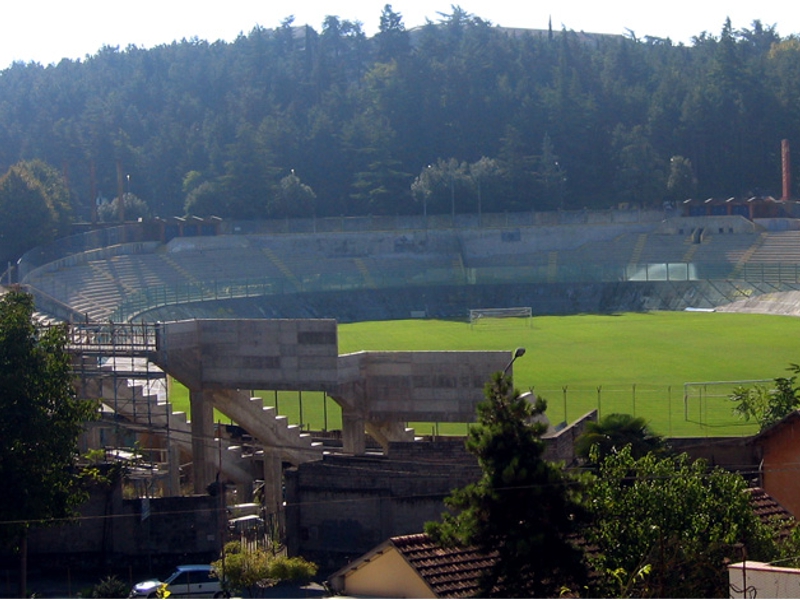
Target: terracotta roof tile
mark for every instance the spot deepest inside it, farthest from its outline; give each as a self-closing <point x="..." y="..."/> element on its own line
<point x="450" y="572"/>
<point x="769" y="510"/>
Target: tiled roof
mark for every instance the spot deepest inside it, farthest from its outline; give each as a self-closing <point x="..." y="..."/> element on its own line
<point x="769" y="510"/>
<point x="450" y="572"/>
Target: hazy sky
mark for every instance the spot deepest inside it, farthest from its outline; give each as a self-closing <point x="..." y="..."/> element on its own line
<point x="45" y="31"/>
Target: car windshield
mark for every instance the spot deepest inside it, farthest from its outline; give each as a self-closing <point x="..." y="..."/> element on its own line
<point x="172" y="577"/>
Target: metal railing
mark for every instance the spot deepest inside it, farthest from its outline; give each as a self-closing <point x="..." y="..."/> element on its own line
<point x="113" y="339"/>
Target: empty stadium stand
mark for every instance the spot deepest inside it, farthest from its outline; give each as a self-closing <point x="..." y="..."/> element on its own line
<point x="132" y="280"/>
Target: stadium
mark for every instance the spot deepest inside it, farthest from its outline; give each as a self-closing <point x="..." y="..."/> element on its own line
<point x="164" y="297"/>
<point x="703" y="256"/>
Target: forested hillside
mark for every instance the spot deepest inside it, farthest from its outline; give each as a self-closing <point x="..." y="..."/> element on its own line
<point x="456" y="116"/>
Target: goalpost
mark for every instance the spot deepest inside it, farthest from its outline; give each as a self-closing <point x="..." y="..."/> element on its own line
<point x="478" y="315"/>
<point x="708" y="402"/>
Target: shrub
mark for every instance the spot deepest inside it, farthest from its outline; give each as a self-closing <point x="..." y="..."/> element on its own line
<point x="110" y="587"/>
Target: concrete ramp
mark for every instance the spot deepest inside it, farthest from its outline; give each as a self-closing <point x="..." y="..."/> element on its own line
<point x="774" y="303"/>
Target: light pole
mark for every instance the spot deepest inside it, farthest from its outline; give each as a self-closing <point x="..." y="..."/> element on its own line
<point x="452" y="198"/>
<point x="425" y="194"/>
<point x="517" y="353"/>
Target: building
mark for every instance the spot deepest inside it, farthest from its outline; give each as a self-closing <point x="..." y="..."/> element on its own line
<point x="777" y="449"/>
<point x="412" y="566"/>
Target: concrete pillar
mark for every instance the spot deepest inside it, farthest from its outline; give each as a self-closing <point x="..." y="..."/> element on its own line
<point x="244" y="492"/>
<point x="204" y="447"/>
<point x="273" y="482"/>
<point x="388" y="431"/>
<point x="174" y="465"/>
<point x="353" y="441"/>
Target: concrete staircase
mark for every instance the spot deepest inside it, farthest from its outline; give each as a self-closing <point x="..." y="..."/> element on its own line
<point x="748" y="255"/>
<point x="265" y="425"/>
<point x="143" y="402"/>
<point x="137" y="391"/>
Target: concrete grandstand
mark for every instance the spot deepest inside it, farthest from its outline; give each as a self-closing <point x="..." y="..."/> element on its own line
<point x="311" y="268"/>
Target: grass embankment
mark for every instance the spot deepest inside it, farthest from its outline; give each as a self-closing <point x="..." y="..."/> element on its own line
<point x="635" y="362"/>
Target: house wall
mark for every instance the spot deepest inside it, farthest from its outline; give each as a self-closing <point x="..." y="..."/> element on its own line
<point x="387" y="575"/>
<point x="759" y="580"/>
<point x="560" y="446"/>
<point x="781" y="465"/>
<point x="732" y="453"/>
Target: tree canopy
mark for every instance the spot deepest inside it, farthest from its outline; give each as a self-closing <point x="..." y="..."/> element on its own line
<point x="614" y="432"/>
<point x="680" y="519"/>
<point x="572" y="120"/>
<point x="768" y="404"/>
<point x="34" y="207"/>
<point x="42" y="419"/>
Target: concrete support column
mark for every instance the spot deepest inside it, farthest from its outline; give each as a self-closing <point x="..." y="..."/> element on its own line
<point x="388" y="431"/>
<point x="204" y="462"/>
<point x="174" y="464"/>
<point x="353" y="441"/>
<point x="273" y="484"/>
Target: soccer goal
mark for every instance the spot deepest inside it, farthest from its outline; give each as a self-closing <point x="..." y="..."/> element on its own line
<point x="708" y="402"/>
<point x="478" y="316"/>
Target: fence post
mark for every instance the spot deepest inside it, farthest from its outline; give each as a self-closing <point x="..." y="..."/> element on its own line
<point x="300" y="406"/>
<point x="669" y="409"/>
<point x="685" y="403"/>
<point x="599" y="387"/>
<point x="325" y="411"/>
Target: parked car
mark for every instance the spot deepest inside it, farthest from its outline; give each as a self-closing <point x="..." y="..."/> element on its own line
<point x="188" y="581"/>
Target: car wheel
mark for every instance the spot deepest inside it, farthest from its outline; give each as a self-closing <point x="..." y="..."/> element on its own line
<point x="222" y="595"/>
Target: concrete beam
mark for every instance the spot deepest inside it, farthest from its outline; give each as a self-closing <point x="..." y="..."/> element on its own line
<point x="417" y="386"/>
<point x="279" y="354"/>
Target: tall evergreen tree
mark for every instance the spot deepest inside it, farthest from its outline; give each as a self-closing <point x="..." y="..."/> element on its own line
<point x="523" y="507"/>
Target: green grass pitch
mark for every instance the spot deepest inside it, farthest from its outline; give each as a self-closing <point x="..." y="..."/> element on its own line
<point x="634" y="362"/>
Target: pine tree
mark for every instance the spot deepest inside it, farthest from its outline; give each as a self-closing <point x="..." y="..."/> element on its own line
<point x="523" y="507"/>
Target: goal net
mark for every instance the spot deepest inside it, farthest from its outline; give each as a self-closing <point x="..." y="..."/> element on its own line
<point x="709" y="403"/>
<point x="479" y="316"/>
